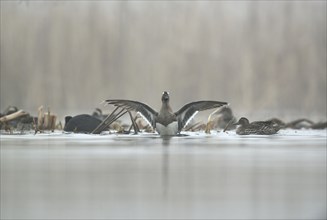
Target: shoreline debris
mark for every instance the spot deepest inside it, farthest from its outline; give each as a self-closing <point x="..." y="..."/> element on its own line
<point x="45" y="121"/>
<point x="13" y="116"/>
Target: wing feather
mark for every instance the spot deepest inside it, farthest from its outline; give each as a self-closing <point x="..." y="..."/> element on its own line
<point x="188" y="111"/>
<point x="144" y="110"/>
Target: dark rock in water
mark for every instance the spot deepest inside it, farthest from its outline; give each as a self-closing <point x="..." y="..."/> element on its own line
<point x="81" y="123"/>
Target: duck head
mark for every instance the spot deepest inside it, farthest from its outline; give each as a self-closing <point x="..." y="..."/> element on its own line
<point x="165" y="97"/>
<point x="243" y="121"/>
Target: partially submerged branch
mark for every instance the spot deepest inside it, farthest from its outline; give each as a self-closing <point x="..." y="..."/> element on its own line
<point x="13" y="116"/>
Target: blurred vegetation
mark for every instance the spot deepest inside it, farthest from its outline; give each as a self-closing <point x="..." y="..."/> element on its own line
<point x="264" y="57"/>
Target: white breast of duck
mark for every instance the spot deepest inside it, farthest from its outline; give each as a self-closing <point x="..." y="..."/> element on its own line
<point x="166" y="122"/>
<point x="167" y="130"/>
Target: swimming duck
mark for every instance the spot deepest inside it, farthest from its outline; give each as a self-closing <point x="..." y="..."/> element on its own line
<point x="257" y="127"/>
<point x="166" y="122"/>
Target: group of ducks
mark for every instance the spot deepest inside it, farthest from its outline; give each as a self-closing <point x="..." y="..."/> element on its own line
<point x="165" y="121"/>
<point x="168" y="123"/>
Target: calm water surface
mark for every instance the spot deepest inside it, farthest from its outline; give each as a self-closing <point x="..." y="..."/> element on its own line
<point x="220" y="176"/>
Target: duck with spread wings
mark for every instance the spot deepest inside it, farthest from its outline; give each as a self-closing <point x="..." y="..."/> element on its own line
<point x="166" y="122"/>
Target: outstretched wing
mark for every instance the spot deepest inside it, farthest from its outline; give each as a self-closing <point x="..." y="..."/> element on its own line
<point x="144" y="110"/>
<point x="188" y="111"/>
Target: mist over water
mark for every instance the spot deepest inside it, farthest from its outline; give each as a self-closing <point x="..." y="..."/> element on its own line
<point x="265" y="58"/>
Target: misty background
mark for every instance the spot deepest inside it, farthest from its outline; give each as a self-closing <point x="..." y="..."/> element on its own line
<point x="267" y="59"/>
